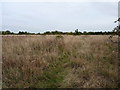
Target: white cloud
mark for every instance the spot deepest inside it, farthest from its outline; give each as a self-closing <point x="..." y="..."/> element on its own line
<point x="35" y="17"/>
<point x="59" y="0"/>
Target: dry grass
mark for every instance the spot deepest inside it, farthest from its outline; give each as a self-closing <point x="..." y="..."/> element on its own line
<point x="59" y="61"/>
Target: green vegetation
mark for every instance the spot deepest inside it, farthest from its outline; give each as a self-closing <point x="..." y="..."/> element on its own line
<point x="6" y="32"/>
<point x="77" y="32"/>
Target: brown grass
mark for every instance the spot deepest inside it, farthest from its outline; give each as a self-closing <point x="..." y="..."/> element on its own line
<point x="59" y="61"/>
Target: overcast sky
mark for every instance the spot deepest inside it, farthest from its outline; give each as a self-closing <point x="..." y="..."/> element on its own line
<point x="61" y="16"/>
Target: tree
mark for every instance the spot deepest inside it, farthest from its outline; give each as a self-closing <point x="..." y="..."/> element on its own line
<point x="7" y="32"/>
<point x="76" y="32"/>
<point x="85" y="33"/>
<point x="26" y="33"/>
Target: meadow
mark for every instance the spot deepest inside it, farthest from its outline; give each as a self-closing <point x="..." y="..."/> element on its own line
<point x="56" y="61"/>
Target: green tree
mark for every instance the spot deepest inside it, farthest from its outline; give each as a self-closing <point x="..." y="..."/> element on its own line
<point x="76" y="32"/>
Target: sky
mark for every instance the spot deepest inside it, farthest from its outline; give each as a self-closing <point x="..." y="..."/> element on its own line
<point x="61" y="16"/>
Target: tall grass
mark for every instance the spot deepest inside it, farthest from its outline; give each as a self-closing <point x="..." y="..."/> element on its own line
<point x="52" y="61"/>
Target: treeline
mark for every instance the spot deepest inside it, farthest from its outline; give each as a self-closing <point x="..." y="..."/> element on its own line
<point x="19" y="33"/>
<point x="76" y="32"/>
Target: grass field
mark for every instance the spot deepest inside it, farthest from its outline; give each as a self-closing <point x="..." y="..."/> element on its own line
<point x="53" y="61"/>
